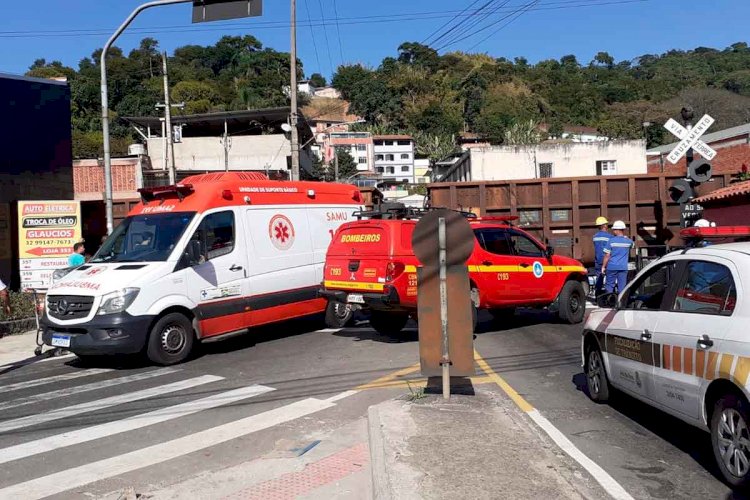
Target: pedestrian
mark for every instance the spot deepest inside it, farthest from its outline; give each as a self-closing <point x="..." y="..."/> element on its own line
<point x="616" y="254"/>
<point x="76" y="258"/>
<point x="601" y="238"/>
<point x="5" y="299"/>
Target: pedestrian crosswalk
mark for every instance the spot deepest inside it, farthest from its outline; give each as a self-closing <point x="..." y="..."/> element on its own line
<point x="69" y="412"/>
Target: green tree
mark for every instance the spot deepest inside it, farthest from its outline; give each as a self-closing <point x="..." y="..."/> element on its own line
<point x="347" y="166"/>
<point x="317" y="80"/>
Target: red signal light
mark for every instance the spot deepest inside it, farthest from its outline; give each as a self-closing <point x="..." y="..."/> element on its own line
<point x="715" y="232"/>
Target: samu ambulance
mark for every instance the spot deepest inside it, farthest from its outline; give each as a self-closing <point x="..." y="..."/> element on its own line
<point x="199" y="261"/>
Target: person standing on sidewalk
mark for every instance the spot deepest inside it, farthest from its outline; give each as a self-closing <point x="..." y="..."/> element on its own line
<point x="616" y="255"/>
<point x="601" y="238"/>
<point x="5" y="298"/>
<point x="76" y="258"/>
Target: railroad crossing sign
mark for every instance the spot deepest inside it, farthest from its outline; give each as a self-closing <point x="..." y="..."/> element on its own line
<point x="690" y="139"/>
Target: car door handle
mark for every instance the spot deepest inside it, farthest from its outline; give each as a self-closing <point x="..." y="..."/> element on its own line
<point x="646" y="335"/>
<point x="524" y="264"/>
<point x="487" y="263"/>
<point x="705" y="342"/>
<point x="235" y="268"/>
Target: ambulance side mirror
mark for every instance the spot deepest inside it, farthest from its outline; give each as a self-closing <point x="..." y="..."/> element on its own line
<point x="193" y="253"/>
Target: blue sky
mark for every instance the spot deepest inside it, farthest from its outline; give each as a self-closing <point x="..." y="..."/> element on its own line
<point x="371" y="30"/>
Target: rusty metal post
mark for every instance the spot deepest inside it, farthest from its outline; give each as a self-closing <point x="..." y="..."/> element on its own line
<point x="442" y="262"/>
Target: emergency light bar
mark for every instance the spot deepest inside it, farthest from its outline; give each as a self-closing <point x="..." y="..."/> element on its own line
<point x="715" y="232"/>
<point x="150" y="194"/>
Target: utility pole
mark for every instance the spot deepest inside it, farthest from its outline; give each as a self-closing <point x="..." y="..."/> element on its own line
<point x="168" y="122"/>
<point x="293" y="89"/>
<point x="335" y="165"/>
<point x="227" y="142"/>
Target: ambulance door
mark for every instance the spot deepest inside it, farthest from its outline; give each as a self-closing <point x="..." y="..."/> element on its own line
<point x="281" y="264"/>
<point x="324" y="222"/>
<point x="691" y="332"/>
<point x="218" y="283"/>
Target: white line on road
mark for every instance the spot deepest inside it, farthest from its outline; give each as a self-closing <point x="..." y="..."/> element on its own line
<point x="48" y="380"/>
<point x="100" y="404"/>
<point x="602" y="477"/>
<point x="341" y="396"/>
<point x="128" y="424"/>
<point x="69" y="391"/>
<point x="103" y="469"/>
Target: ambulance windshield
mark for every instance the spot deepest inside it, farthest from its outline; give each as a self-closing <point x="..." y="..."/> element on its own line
<point x="144" y="238"/>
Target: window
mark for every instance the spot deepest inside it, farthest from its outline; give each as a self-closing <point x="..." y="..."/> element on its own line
<point x="494" y="241"/>
<point x="389" y="158"/>
<point x="216" y="235"/>
<point x="391" y="170"/>
<point x="405" y="168"/>
<point x="707" y="288"/>
<point x="545" y="169"/>
<point x="402" y="143"/>
<point x="606" y="167"/>
<point x="524" y="247"/>
<point x="529" y="217"/>
<point x="404" y="156"/>
<point x="361" y="147"/>
<point x="648" y="292"/>
<point x="405" y="180"/>
<point x="379" y="143"/>
<point x="362" y="159"/>
<point x="378" y="157"/>
<point x="380" y="170"/>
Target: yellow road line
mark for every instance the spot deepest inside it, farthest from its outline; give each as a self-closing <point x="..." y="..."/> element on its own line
<point x="390" y="377"/>
<point x="512" y="394"/>
<point x="418" y="382"/>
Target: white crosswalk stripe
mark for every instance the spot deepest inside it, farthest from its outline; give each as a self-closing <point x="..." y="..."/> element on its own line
<point x="145" y="457"/>
<point x="49" y="380"/>
<point x="100" y="404"/>
<point x="69" y="391"/>
<point x="135" y="422"/>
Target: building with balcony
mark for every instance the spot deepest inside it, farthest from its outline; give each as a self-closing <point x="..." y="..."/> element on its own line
<point x="394" y="157"/>
<point x="358" y="144"/>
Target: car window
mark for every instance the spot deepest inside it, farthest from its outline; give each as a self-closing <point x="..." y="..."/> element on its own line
<point x="707" y="288"/>
<point x="649" y="290"/>
<point x="524" y="247"/>
<point x="494" y="241"/>
<point x="216" y="234"/>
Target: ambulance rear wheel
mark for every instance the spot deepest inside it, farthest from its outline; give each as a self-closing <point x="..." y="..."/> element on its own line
<point x="171" y="339"/>
<point x="572" y="302"/>
<point x="388" y="323"/>
<point x="338" y="314"/>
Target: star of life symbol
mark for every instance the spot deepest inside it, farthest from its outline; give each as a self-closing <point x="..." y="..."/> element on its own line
<point x="690" y="139"/>
<point x="281" y="232"/>
<point x="95" y="270"/>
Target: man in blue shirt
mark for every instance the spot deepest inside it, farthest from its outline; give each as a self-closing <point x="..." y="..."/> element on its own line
<point x="616" y="255"/>
<point x="601" y="238"/>
<point x="76" y="258"/>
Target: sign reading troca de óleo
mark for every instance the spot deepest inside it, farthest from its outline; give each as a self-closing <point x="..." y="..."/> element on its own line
<point x="47" y="231"/>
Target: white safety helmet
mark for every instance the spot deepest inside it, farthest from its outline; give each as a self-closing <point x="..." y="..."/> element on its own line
<point x="619" y="225"/>
<point x="702" y="223"/>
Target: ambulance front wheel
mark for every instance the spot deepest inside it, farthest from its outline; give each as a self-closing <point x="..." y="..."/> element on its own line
<point x="171" y="339"/>
<point x="338" y="314"/>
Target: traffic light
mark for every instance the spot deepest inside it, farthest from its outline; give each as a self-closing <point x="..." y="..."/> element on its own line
<point x="681" y="191"/>
<point x="700" y="170"/>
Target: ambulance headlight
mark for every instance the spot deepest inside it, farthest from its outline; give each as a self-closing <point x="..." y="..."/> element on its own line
<point x="118" y="301"/>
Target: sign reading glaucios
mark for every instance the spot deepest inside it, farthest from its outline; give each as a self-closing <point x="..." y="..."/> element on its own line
<point x="47" y="231"/>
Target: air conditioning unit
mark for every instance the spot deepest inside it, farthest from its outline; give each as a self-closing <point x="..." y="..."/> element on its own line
<point x="137" y="150"/>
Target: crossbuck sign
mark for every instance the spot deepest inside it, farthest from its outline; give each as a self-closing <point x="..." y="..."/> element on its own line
<point x="690" y="139"/>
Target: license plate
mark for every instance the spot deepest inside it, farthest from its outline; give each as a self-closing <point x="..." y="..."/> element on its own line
<point x="60" y="340"/>
<point x="355" y="298"/>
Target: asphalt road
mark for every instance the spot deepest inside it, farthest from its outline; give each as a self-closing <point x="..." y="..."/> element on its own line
<point x="254" y="410"/>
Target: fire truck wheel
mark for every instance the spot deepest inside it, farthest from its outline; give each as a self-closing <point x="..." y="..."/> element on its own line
<point x="388" y="323"/>
<point x="572" y="302"/>
<point x="338" y="314"/>
<point x="171" y="339"/>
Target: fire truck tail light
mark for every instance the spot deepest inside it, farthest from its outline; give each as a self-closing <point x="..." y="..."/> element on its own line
<point x="393" y="270"/>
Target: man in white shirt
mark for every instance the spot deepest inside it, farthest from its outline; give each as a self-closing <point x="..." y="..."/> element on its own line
<point x="4" y="298"/>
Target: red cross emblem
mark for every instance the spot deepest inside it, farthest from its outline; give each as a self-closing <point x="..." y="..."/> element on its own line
<point x="281" y="232"/>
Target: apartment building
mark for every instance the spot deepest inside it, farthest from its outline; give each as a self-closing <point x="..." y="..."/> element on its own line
<point x="394" y="157"/>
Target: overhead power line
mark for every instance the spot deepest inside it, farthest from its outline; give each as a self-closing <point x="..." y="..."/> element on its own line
<point x="375" y="19"/>
<point x="338" y="31"/>
<point x="325" y="33"/>
<point x="504" y="25"/>
<point x="470" y="24"/>
<point x="427" y="39"/>
<point x="312" y="34"/>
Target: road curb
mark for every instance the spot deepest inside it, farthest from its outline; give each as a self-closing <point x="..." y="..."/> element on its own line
<point x="381" y="487"/>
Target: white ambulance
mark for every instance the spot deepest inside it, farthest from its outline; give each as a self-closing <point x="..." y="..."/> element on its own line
<point x="198" y="261"/>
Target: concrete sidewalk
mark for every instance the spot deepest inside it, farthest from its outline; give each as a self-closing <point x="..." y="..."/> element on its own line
<point x="19" y="349"/>
<point x="479" y="446"/>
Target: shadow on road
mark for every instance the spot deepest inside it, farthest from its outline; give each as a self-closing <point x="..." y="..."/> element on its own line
<point x="687" y="438"/>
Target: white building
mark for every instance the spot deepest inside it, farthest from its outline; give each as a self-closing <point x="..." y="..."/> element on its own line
<point x="255" y="141"/>
<point x="547" y="160"/>
<point x="358" y="144"/>
<point x="394" y="157"/>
